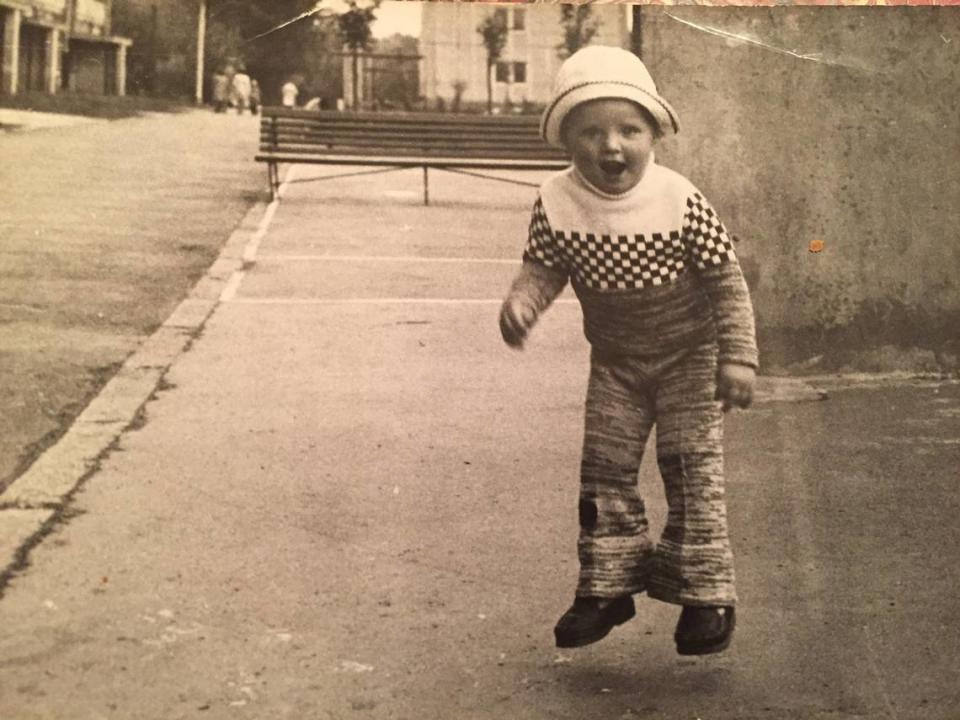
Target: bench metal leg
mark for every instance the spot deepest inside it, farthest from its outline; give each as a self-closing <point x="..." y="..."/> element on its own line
<point x="274" y="171"/>
<point x="426" y="187"/>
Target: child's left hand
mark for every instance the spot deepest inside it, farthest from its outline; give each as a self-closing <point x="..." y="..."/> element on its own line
<point x="735" y="385"/>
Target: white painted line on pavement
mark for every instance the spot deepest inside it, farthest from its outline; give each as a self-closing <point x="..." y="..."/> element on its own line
<point x="387" y="259"/>
<point x="380" y="301"/>
<point x="250" y="249"/>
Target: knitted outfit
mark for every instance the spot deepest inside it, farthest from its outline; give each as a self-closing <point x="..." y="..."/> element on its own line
<point x="664" y="300"/>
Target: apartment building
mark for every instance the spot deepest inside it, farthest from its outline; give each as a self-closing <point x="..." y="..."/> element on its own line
<point x="455" y="59"/>
<point x="60" y="45"/>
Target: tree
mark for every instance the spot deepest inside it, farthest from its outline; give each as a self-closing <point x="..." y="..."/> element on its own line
<point x="494" y="32"/>
<point x="459" y="87"/>
<point x="579" y="26"/>
<point x="355" y="30"/>
<point x="272" y="38"/>
<point x="394" y="72"/>
<point x="636" y="32"/>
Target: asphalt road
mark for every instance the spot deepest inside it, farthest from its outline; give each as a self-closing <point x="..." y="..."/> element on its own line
<point x="350" y="500"/>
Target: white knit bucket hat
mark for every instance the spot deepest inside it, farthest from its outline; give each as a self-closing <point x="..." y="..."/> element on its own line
<point x="598" y="71"/>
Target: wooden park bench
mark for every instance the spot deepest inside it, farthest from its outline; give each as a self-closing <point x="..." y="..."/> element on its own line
<point x="393" y="141"/>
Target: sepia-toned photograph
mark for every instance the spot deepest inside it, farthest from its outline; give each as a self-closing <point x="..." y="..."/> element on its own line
<point x="454" y="360"/>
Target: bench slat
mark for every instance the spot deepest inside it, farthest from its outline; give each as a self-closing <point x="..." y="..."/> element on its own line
<point x="412" y="152"/>
<point x="400" y="143"/>
<point x="414" y="161"/>
<point x="376" y="118"/>
<point x="398" y="133"/>
<point x="387" y="131"/>
<point x="409" y="152"/>
<point x="427" y="157"/>
<point x="282" y="132"/>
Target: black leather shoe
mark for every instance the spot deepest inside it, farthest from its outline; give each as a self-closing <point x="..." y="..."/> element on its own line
<point x="586" y="622"/>
<point x="704" y="630"/>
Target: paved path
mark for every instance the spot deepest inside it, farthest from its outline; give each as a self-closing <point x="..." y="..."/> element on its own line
<point x="350" y="500"/>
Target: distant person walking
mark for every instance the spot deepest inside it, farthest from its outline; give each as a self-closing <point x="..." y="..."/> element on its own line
<point x="255" y="99"/>
<point x="288" y="93"/>
<point x="221" y="91"/>
<point x="241" y="90"/>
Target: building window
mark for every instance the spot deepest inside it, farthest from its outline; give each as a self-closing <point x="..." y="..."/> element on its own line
<point x="500" y="15"/>
<point x="511" y="72"/>
<point x="519" y="18"/>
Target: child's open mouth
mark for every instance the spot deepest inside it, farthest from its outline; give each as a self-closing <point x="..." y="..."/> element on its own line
<point x="612" y="167"/>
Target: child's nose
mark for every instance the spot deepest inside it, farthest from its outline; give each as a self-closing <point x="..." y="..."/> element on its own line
<point x="611" y="142"/>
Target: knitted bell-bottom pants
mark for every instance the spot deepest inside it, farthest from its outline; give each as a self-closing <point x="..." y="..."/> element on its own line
<point x="626" y="396"/>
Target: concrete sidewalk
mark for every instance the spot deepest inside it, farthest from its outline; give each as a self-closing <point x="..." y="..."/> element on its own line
<point x="348" y="499"/>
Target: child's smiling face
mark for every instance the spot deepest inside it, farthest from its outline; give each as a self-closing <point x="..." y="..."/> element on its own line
<point x="610" y="141"/>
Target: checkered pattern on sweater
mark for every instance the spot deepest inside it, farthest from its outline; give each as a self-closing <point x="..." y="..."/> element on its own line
<point x="707" y="239"/>
<point x="625" y="262"/>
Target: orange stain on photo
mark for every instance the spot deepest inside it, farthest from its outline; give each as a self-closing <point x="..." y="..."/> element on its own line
<point x="817" y="246"/>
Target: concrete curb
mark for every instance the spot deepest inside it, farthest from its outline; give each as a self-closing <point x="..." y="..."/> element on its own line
<point x="32" y="504"/>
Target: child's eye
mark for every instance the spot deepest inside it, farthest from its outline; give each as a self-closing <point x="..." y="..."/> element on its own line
<point x="632" y="130"/>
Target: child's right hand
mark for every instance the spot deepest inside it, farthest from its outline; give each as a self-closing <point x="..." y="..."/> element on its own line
<point x="516" y="319"/>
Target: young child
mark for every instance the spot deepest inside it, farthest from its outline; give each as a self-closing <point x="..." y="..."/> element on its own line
<point x="669" y="320"/>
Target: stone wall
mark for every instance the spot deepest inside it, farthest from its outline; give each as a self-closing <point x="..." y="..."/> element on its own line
<point x="838" y="125"/>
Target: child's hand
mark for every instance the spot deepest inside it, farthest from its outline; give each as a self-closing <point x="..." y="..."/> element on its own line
<point x="516" y="319"/>
<point x="735" y="385"/>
